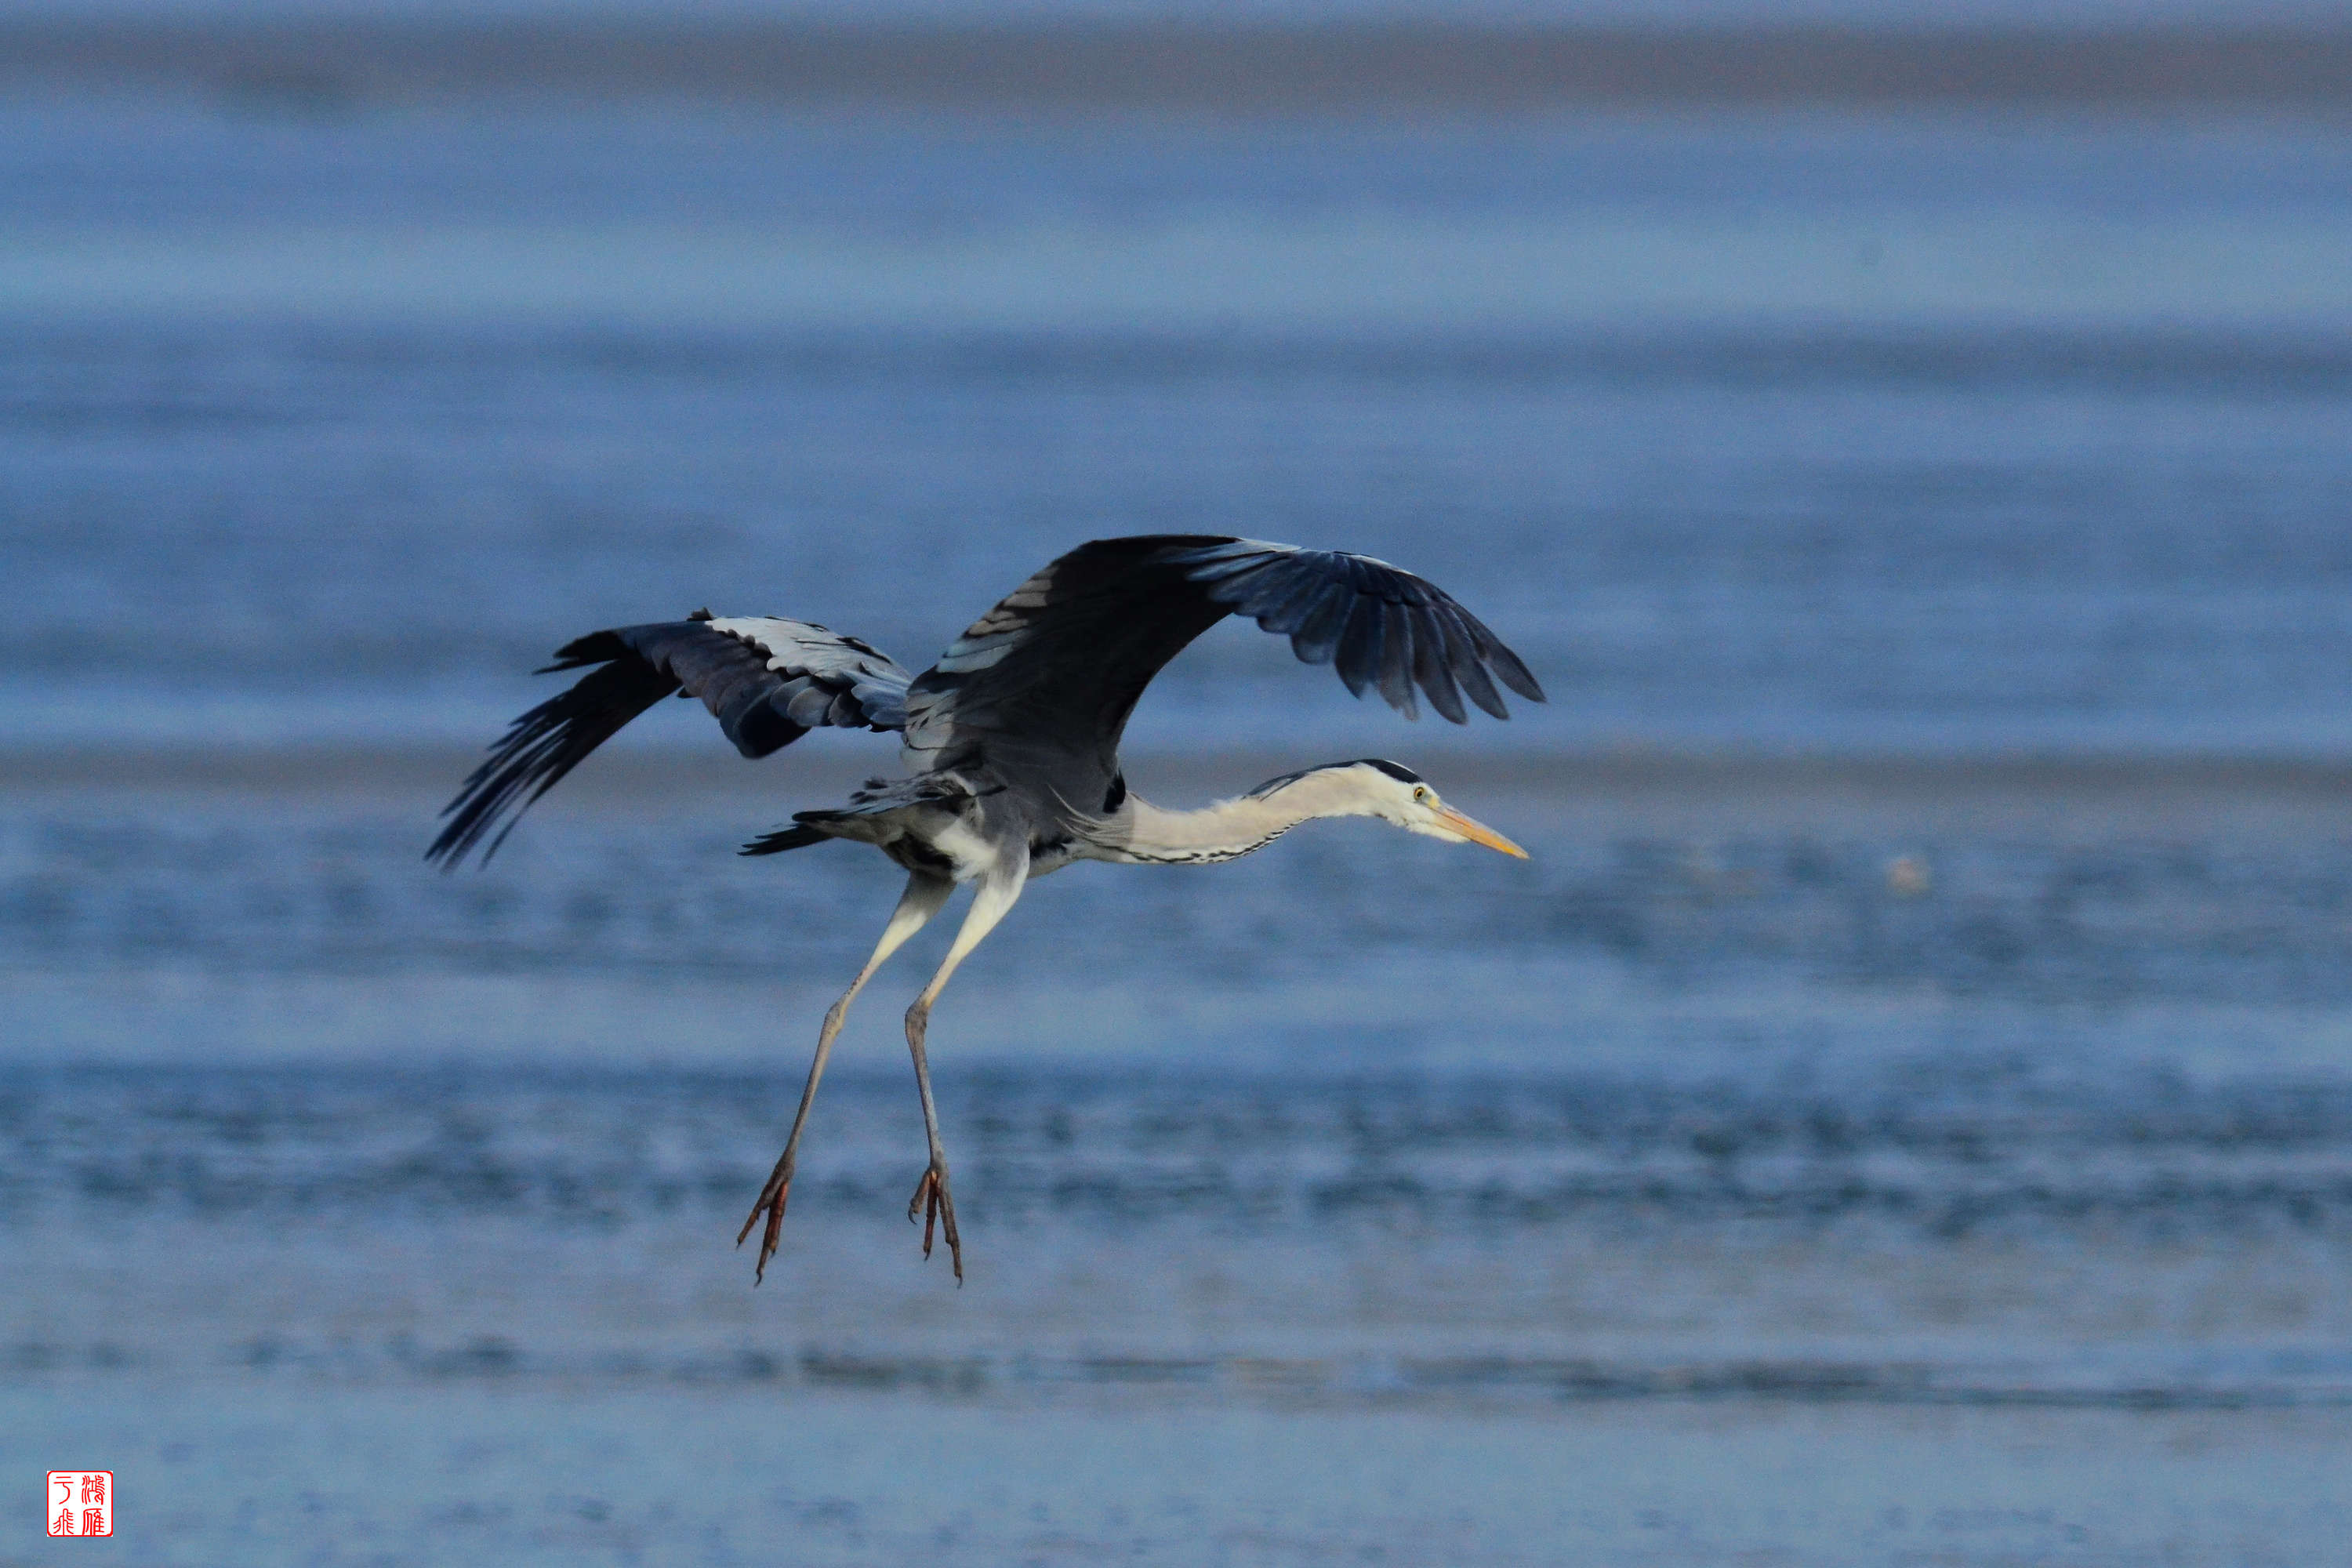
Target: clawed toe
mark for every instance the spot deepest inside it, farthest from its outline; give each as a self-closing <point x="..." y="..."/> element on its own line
<point x="773" y="1198"/>
<point x="935" y="1206"/>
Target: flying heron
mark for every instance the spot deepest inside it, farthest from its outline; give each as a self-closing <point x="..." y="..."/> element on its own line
<point x="1010" y="742"/>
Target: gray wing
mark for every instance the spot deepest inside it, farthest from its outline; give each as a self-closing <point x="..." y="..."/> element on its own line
<point x="1042" y="684"/>
<point x="767" y="680"/>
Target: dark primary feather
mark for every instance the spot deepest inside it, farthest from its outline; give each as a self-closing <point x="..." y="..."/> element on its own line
<point x="1042" y="684"/>
<point x="767" y="680"/>
<point x="1385" y="628"/>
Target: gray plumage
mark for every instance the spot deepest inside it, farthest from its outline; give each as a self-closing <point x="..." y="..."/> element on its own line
<point x="1010" y="742"/>
<point x="767" y="680"/>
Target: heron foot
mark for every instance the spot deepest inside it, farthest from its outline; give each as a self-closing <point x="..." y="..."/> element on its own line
<point x="936" y="1206"/>
<point x="771" y="1204"/>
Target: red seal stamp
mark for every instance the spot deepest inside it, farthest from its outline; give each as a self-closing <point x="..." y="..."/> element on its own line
<point x="82" y="1502"/>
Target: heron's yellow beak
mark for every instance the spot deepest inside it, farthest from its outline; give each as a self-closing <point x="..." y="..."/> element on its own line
<point x="1477" y="832"/>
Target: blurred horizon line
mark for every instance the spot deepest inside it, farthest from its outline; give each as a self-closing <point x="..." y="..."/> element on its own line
<point x="679" y="766"/>
<point x="325" y="66"/>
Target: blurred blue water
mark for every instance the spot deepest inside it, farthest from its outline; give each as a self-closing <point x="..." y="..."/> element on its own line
<point x="2033" y="439"/>
<point x="1931" y="441"/>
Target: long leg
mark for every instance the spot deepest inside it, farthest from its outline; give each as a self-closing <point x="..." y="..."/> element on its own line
<point x="931" y="1200"/>
<point x="925" y="896"/>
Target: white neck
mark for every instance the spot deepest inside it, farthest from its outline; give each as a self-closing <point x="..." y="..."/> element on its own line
<point x="1232" y="828"/>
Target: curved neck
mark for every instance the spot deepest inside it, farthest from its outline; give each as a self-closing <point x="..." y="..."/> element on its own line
<point x="1232" y="828"/>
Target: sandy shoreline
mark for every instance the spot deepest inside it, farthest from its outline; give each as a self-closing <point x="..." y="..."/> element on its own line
<point x="326" y="66"/>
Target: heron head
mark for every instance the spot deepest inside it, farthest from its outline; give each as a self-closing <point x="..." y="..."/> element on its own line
<point x="1397" y="795"/>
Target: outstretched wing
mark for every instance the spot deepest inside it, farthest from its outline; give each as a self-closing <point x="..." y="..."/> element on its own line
<point x="767" y="680"/>
<point x="1043" y="683"/>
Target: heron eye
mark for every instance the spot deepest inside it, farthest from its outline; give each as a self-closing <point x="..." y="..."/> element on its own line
<point x="1420" y="797"/>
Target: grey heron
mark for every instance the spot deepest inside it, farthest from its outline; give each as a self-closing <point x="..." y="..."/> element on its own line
<point x="1010" y="743"/>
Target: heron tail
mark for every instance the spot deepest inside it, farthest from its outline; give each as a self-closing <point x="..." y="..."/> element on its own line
<point x="782" y="838"/>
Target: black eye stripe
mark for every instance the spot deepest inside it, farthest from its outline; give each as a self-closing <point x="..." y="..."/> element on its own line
<point x="1396" y="770"/>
